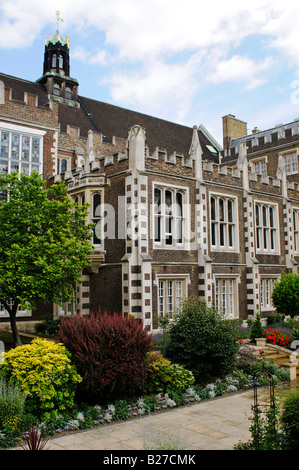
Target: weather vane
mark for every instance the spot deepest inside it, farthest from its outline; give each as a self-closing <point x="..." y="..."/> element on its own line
<point x="58" y="19"/>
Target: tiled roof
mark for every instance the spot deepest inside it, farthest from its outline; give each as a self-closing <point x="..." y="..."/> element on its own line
<point x="75" y="117"/>
<point x="116" y="121"/>
<point x="19" y="87"/>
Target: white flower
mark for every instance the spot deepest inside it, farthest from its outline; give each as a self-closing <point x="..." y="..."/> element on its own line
<point x="98" y="408"/>
<point x="73" y="424"/>
<point x="111" y="409"/>
<point x="80" y="416"/>
<point x="212" y="394"/>
<point x="193" y="395"/>
<point x="169" y="401"/>
<point x="140" y="404"/>
<point x="231" y="388"/>
<point x="108" y="416"/>
<point x="210" y="387"/>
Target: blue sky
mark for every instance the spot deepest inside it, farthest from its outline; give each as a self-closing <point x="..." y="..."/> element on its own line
<point x="189" y="62"/>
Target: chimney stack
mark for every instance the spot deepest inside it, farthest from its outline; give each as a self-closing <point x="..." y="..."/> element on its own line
<point x="232" y="129"/>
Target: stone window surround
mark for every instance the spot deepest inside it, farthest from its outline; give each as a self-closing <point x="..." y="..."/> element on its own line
<point x="186" y="218"/>
<point x="262" y="228"/>
<point x="263" y="291"/>
<point x="235" y="297"/>
<point x="23" y="132"/>
<point x="165" y="278"/>
<point x="226" y="247"/>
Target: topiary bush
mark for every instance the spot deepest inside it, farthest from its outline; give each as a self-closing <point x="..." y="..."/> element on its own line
<point x="45" y="374"/>
<point x="201" y="341"/>
<point x="109" y="351"/>
<point x="164" y="376"/>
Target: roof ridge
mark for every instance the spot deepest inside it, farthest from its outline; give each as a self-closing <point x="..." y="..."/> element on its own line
<point x="19" y="79"/>
<point x="136" y="112"/>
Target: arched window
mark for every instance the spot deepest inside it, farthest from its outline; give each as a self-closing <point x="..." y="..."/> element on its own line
<point x="68" y="93"/>
<point x="60" y="61"/>
<point x="54" y="61"/>
<point x="56" y="89"/>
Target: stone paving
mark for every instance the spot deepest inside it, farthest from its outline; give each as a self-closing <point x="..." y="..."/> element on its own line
<point x="216" y="424"/>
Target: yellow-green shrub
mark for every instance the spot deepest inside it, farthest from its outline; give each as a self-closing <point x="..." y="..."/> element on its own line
<point x="46" y="375"/>
<point x="164" y="376"/>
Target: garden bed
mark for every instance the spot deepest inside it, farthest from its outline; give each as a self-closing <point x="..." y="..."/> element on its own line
<point x="93" y="416"/>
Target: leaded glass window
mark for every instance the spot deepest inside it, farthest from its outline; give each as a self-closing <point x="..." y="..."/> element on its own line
<point x="20" y="152"/>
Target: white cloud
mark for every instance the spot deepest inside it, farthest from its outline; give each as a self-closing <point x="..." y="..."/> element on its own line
<point x="98" y="58"/>
<point x="240" y="68"/>
<point x="158" y="87"/>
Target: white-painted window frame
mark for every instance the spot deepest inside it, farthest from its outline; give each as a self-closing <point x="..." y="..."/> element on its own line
<point x="266" y="232"/>
<point x="162" y="213"/>
<point x="222" y="231"/>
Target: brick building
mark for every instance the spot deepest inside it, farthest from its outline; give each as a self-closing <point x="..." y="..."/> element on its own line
<point x="175" y="213"/>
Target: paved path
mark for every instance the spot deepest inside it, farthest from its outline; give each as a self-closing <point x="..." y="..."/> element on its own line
<point x="216" y="424"/>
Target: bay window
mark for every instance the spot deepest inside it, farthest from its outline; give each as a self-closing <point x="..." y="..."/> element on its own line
<point x="97" y="218"/>
<point x="21" y="149"/>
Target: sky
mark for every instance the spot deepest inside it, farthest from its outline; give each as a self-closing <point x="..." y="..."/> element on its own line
<point x="190" y="62"/>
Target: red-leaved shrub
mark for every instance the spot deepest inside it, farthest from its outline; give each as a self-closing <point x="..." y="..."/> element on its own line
<point x="109" y="351"/>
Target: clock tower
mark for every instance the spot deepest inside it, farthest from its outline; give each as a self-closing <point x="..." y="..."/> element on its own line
<point x="56" y="74"/>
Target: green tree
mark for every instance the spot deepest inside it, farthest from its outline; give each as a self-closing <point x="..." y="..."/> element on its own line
<point x="285" y="294"/>
<point x="44" y="244"/>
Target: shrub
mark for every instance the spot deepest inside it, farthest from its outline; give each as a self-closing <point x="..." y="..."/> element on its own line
<point x="201" y="341"/>
<point x="12" y="403"/>
<point x="290" y="419"/>
<point x="46" y="375"/>
<point x="163" y="376"/>
<point x="109" y="351"/>
<point x="260" y="370"/>
<point x="256" y="330"/>
<point x="47" y="327"/>
<point x="285" y="294"/>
